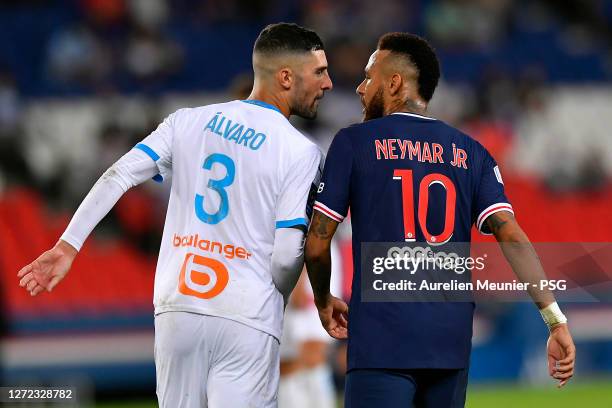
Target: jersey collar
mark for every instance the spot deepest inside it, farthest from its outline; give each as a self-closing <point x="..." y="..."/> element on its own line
<point x="414" y="115"/>
<point x="262" y="104"/>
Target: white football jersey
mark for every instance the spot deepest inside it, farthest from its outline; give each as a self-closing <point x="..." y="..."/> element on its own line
<point x="239" y="171"/>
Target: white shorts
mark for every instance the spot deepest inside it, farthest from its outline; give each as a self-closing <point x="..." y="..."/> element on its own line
<point x="307" y="388"/>
<point x="208" y="361"/>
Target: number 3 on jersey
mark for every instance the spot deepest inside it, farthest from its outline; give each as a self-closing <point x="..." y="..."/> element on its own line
<point x="219" y="187"/>
<point x="405" y="176"/>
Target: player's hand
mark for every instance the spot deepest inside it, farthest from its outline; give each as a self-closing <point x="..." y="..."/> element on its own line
<point x="561" y="354"/>
<point x="48" y="269"/>
<point x="333" y="313"/>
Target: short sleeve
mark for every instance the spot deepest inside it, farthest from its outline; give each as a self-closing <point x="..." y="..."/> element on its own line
<point x="158" y="146"/>
<point x="298" y="189"/>
<point x="491" y="197"/>
<point x="333" y="192"/>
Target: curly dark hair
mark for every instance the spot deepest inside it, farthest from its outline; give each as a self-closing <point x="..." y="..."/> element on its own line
<point x="420" y="53"/>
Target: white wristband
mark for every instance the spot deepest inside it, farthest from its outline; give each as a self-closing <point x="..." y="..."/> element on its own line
<point x="553" y="315"/>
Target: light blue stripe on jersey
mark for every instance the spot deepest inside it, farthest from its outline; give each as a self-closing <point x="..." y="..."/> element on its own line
<point x="262" y="104"/>
<point x="151" y="153"/>
<point x="291" y="223"/>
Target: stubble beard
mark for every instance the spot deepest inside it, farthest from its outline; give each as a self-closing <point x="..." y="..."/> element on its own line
<point x="376" y="108"/>
<point x="301" y="108"/>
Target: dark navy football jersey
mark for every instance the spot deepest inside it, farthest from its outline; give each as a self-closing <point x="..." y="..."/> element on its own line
<point x="409" y="178"/>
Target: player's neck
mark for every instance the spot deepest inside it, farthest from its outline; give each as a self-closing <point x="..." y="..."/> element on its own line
<point x="271" y="99"/>
<point x="409" y="106"/>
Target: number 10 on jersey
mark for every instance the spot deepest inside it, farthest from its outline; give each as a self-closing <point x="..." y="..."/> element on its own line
<point x="406" y="177"/>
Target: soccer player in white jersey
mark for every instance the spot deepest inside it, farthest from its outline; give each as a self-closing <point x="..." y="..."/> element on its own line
<point x="232" y="247"/>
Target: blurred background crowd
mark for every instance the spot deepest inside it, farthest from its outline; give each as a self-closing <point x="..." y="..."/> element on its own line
<point x="82" y="81"/>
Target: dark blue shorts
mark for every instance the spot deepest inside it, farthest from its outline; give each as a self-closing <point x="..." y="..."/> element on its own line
<point x="381" y="388"/>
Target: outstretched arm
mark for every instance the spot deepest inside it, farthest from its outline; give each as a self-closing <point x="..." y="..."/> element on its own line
<point x="526" y="265"/>
<point x="49" y="269"/>
<point x="332" y="310"/>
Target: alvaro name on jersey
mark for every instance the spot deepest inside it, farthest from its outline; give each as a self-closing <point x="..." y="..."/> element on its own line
<point x="239" y="171"/>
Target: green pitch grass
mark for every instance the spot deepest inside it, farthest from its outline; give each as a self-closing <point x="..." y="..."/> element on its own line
<point x="585" y="394"/>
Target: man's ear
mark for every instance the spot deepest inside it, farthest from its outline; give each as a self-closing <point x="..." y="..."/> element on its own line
<point x="285" y="77"/>
<point x="395" y="84"/>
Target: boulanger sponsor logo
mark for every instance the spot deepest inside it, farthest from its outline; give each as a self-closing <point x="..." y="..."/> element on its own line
<point x="229" y="251"/>
<point x="202" y="277"/>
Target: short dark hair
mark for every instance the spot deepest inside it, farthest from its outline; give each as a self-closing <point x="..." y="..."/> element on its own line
<point x="420" y="54"/>
<point x="287" y="37"/>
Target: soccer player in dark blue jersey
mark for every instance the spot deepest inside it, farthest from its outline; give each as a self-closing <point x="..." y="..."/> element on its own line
<point x="407" y="177"/>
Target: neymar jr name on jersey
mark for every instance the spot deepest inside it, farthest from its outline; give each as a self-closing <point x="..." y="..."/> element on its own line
<point x="232" y="131"/>
<point x="401" y="149"/>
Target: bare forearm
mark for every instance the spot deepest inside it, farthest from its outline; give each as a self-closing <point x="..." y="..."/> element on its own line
<point x="319" y="274"/>
<point x="318" y="255"/>
<point x="67" y="249"/>
<point x="521" y="255"/>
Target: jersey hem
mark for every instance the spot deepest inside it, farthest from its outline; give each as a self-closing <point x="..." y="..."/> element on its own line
<point x="72" y="240"/>
<point x="490" y="210"/>
<point x="414" y="115"/>
<point x="154" y="156"/>
<point x="291" y="223"/>
<point x="322" y="208"/>
<point x="163" y="309"/>
<point x="150" y="152"/>
<point x="415" y="366"/>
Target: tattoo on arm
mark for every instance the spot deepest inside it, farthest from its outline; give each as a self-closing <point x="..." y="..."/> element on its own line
<point x="495" y="223"/>
<point x="318" y="255"/>
<point x="322" y="227"/>
<point x="520" y="254"/>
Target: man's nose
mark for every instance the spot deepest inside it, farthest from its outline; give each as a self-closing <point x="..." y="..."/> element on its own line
<point x="327" y="84"/>
<point x="359" y="89"/>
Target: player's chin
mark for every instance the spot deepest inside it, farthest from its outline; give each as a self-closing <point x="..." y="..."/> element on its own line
<point x="369" y="114"/>
<point x="309" y="113"/>
<point x="314" y="108"/>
